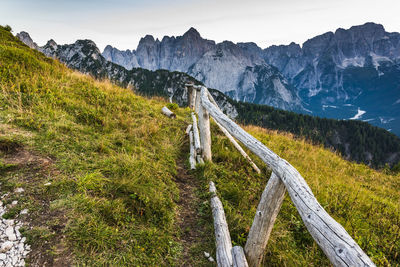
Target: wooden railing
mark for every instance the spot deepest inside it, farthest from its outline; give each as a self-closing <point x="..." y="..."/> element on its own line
<point x="332" y="238"/>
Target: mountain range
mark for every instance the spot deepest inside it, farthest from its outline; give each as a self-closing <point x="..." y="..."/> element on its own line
<point x="355" y="140"/>
<point x="346" y="74"/>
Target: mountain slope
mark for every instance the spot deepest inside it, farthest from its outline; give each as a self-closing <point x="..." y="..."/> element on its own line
<point x="355" y="140"/>
<point x="111" y="193"/>
<point x="114" y="191"/>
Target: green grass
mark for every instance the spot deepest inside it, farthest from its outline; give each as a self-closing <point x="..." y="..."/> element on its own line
<point x="113" y="160"/>
<point x="115" y="151"/>
<point x="365" y="201"/>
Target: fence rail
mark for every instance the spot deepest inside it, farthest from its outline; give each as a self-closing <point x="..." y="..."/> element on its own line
<point x="332" y="238"/>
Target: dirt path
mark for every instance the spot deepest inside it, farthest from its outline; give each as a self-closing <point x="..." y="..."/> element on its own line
<point x="192" y="231"/>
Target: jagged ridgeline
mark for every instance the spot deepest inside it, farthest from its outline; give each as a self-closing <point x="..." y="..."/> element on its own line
<point x="355" y="140"/>
<point x="111" y="174"/>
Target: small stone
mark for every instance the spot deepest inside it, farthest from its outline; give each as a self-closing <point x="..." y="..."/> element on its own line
<point x="19" y="190"/>
<point x="10" y="233"/>
<point x="15" y="202"/>
<point x="6" y="246"/>
<point x="206" y="254"/>
<point x="3" y="256"/>
<point x="24" y="211"/>
<point x="211" y="259"/>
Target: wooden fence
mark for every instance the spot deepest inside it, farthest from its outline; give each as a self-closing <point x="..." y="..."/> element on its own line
<point x="332" y="238"/>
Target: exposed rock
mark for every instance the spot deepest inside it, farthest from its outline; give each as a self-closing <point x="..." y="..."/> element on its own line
<point x="226" y="66"/>
<point x="338" y="72"/>
<point x="26" y="39"/>
<point x="19" y="190"/>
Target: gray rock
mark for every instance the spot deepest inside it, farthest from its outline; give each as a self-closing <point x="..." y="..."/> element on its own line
<point x="10" y="233"/>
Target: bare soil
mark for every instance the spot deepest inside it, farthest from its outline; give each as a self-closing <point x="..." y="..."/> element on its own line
<point x="30" y="171"/>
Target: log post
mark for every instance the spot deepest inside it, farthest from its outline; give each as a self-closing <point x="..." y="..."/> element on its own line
<point x="192" y="156"/>
<point x="238" y="258"/>
<point x="205" y="133"/>
<point x="197" y="100"/>
<point x="191" y="88"/>
<point x="168" y="112"/>
<point x="189" y="127"/>
<point x="222" y="236"/>
<point x="196" y="135"/>
<point x="267" y="211"/>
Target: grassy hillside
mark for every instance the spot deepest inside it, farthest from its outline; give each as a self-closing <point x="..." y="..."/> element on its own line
<point x="99" y="168"/>
<point x="366" y="202"/>
<point x="112" y="159"/>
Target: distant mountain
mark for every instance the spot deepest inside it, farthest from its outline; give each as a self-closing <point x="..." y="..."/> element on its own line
<point x="84" y="55"/>
<point x="349" y="74"/>
<point x="235" y="68"/>
<point x="355" y="140"/>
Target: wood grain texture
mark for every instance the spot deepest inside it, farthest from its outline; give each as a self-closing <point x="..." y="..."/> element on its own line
<point x="196" y="135"/>
<point x="168" y="113"/>
<point x="238" y="257"/>
<point x="192" y="154"/>
<point x="205" y="133"/>
<point x="267" y="211"/>
<point x="189" y="127"/>
<point x="222" y="236"/>
<point x="332" y="238"/>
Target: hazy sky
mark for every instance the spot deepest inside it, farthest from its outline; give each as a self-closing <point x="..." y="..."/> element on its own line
<point x="122" y="23"/>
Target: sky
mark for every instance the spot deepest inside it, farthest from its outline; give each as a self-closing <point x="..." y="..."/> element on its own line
<point x="121" y="23"/>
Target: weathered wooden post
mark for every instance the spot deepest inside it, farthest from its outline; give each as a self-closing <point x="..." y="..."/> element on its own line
<point x="222" y="236"/>
<point x="204" y="127"/>
<point x="192" y="156"/>
<point x="267" y="211"/>
<point x="196" y="135"/>
<point x="197" y="99"/>
<point x="191" y="95"/>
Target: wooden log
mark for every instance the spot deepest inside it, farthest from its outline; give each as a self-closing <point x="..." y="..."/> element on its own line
<point x="191" y="95"/>
<point x="199" y="159"/>
<point x="193" y="99"/>
<point x="333" y="239"/>
<point x="233" y="141"/>
<point x="205" y="133"/>
<point x="188" y="129"/>
<point x="196" y="135"/>
<point x="168" y="112"/>
<point x="238" y="147"/>
<point x="238" y="258"/>
<point x="197" y="101"/>
<point x="267" y="211"/>
<point x="192" y="155"/>
<point x="222" y="236"/>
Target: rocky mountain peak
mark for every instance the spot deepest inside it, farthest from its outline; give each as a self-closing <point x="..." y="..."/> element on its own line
<point x="192" y="32"/>
<point x="26" y="39"/>
<point x="148" y="39"/>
